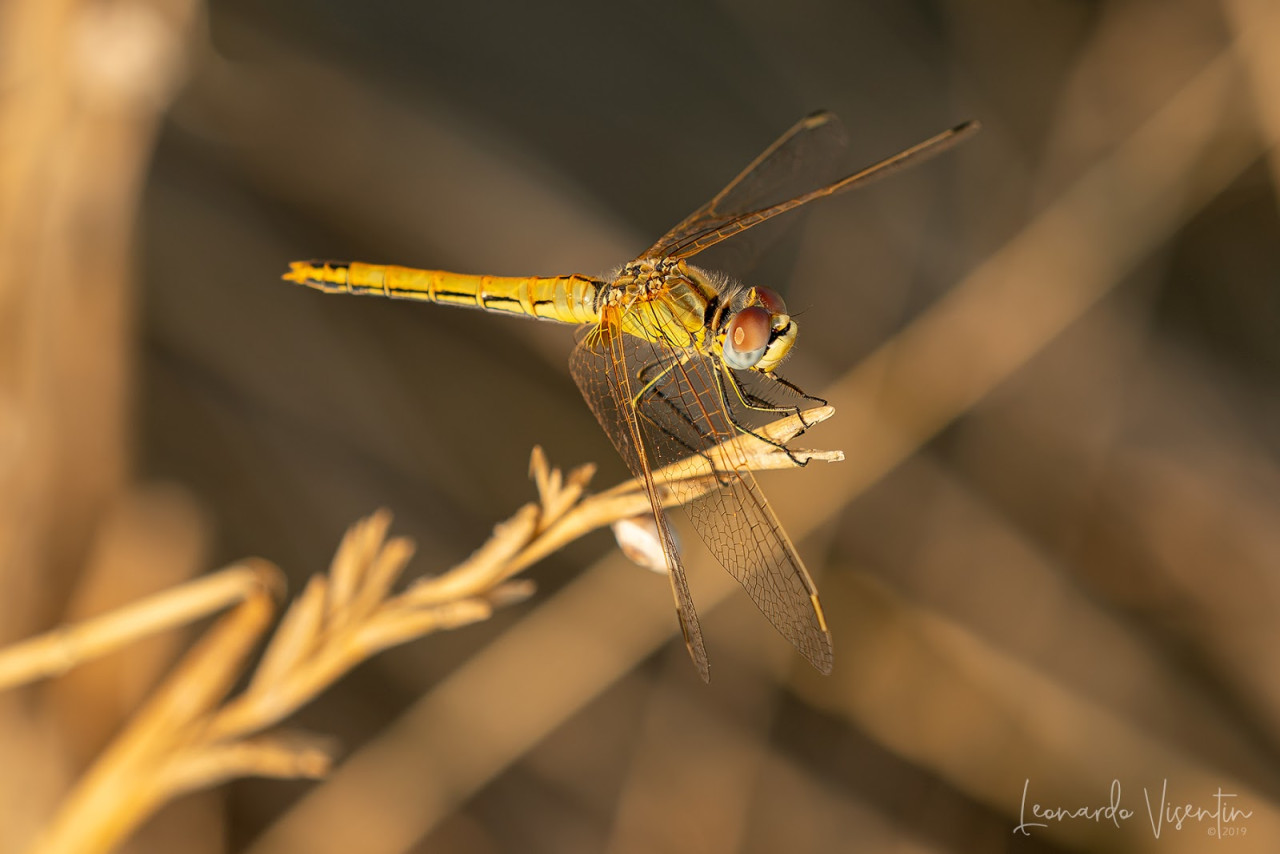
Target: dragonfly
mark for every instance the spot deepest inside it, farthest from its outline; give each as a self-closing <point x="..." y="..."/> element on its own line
<point x="675" y="361"/>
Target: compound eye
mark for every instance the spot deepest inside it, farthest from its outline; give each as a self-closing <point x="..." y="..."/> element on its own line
<point x="747" y="337"/>
<point x="770" y="300"/>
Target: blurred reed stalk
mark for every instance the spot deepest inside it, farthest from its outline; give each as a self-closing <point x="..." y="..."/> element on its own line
<point x="84" y="85"/>
<point x="82" y="88"/>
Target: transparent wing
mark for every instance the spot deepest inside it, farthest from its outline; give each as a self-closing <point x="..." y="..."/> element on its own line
<point x="798" y="160"/>
<point x="720" y="220"/>
<point x="598" y="365"/>
<point x="682" y="408"/>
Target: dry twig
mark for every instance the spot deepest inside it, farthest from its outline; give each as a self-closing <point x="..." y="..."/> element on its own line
<point x="189" y="737"/>
<point x="67" y="647"/>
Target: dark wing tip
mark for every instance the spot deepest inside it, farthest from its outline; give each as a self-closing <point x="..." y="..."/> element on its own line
<point x="693" y="643"/>
<point x="817" y="118"/>
<point x="817" y="648"/>
<point x="825" y="662"/>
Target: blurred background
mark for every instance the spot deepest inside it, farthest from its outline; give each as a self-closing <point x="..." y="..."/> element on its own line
<point x="1049" y="561"/>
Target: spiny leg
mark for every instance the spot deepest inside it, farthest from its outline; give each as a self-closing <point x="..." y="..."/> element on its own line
<point x="759" y="404"/>
<point x="766" y="406"/>
<point x="656" y="394"/>
<point x="648" y="384"/>
<point x="746" y="398"/>
<point x="785" y="383"/>
<point x="742" y="395"/>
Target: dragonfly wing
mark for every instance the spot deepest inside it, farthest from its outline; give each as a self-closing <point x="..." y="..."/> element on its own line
<point x="738" y="525"/>
<point x="713" y="229"/>
<point x="685" y="407"/>
<point x="598" y="365"/>
<point x="798" y="160"/>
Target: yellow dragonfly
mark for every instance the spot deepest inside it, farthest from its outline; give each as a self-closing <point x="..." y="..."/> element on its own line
<point x="675" y="360"/>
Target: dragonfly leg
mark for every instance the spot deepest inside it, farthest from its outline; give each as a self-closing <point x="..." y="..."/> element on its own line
<point x="751" y="401"/>
<point x="785" y="383"/>
<point x="650" y="384"/>
<point x="672" y="436"/>
<point x="759" y="404"/>
<point x="653" y="392"/>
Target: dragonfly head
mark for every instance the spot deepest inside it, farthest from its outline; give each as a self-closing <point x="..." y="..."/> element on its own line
<point x="758" y="333"/>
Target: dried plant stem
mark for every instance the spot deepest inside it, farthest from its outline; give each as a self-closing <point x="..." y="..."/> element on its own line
<point x="629" y="498"/>
<point x="60" y="650"/>
<point x="190" y="736"/>
<point x="127" y="782"/>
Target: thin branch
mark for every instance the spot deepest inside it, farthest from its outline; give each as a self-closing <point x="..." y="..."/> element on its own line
<point x="61" y="649"/>
<point x="189" y="736"/>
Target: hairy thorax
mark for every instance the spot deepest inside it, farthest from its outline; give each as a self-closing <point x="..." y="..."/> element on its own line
<point x="664" y="300"/>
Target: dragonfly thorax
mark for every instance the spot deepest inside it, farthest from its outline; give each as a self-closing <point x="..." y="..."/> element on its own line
<point x="746" y="328"/>
<point x="649" y="276"/>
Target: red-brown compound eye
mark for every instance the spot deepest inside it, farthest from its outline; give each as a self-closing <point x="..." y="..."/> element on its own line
<point x="747" y="337"/>
<point x="771" y="301"/>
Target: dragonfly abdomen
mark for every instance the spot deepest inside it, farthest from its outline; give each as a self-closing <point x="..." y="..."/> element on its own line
<point x="566" y="299"/>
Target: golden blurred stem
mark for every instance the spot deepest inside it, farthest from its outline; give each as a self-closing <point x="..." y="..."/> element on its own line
<point x="267" y="705"/>
<point x="260" y="709"/>
<point x="122" y="788"/>
<point x="181" y="739"/>
<point x="596" y="512"/>
<point x="83" y="86"/>
<point x="1257" y="26"/>
<point x="262" y="757"/>
<point x="66" y="647"/>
